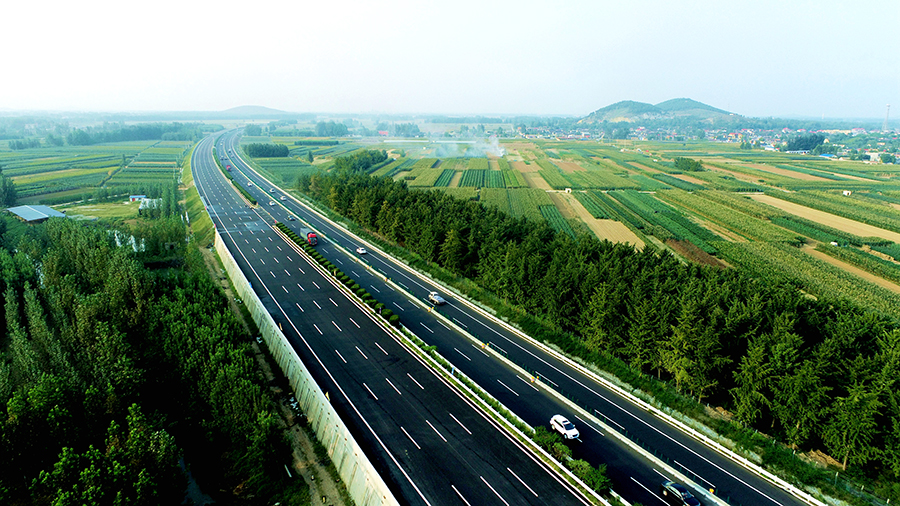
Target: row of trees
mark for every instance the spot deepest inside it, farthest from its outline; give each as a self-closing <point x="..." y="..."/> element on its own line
<point x="142" y="132"/>
<point x="812" y="372"/>
<point x="266" y="150"/>
<point x="110" y="373"/>
<point x="18" y="144"/>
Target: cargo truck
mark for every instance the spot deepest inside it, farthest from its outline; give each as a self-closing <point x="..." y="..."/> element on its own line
<point x="310" y="236"/>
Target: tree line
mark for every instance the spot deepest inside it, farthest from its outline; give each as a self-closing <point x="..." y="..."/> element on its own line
<point x="812" y="372"/>
<point x="330" y="129"/>
<point x="18" y="144"/>
<point x="143" y="132"/>
<point x="266" y="150"/>
<point x="111" y="372"/>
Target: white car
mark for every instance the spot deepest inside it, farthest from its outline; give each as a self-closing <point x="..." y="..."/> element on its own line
<point x="271" y="190"/>
<point x="361" y="250"/>
<point x="562" y="425"/>
<point x="436" y="299"/>
<point x="283" y="198"/>
<point x="271" y="203"/>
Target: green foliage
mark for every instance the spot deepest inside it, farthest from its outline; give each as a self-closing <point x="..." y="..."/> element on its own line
<point x="330" y="129"/>
<point x="687" y="164"/>
<point x="473" y="177"/>
<point x="252" y="130"/>
<point x="117" y="371"/>
<point x="142" y="132"/>
<point x="556" y="220"/>
<point x="8" y="193"/>
<point x="796" y="356"/>
<point x="260" y="150"/>
<point x="676" y="182"/>
<point x="877" y="215"/>
<point x="361" y="161"/>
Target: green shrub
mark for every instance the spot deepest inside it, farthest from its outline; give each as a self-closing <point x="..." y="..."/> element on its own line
<point x="561" y="452"/>
<point x="394" y="320"/>
<point x="387" y="313"/>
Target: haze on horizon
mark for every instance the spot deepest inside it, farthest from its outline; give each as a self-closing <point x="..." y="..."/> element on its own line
<point x="767" y="58"/>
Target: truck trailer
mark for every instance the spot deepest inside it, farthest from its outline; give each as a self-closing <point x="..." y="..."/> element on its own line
<point x="310" y="236"/>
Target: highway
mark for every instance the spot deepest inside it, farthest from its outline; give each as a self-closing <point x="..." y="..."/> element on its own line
<point x="428" y="442"/>
<point x="635" y="478"/>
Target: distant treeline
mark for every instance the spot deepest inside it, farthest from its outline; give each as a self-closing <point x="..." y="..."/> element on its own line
<point x="330" y="129"/>
<point x="145" y="132"/>
<point x="24" y="144"/>
<point x="316" y="142"/>
<point x="265" y="150"/>
<point x="805" y="142"/>
<point x="811" y="372"/>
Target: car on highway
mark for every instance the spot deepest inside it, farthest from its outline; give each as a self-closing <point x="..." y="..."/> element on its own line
<point x="361" y="250"/>
<point x="562" y="425"/>
<point x="677" y="495"/>
<point x="290" y="217"/>
<point x="436" y="299"/>
<point x="271" y="190"/>
<point x="249" y="183"/>
<point x="271" y="203"/>
<point x="283" y="198"/>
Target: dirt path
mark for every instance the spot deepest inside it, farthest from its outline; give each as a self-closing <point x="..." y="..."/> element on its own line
<point x="611" y="230"/>
<point x="852" y="269"/>
<point x="838" y="222"/>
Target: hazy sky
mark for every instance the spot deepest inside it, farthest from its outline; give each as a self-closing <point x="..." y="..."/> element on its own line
<point x="757" y="58"/>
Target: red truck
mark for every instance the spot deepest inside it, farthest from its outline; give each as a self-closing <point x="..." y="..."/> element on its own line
<point x="310" y="236"/>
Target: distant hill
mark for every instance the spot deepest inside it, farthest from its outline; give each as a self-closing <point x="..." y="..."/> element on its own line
<point x="676" y="108"/>
<point x="244" y="111"/>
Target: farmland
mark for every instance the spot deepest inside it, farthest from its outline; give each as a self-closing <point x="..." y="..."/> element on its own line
<point x="57" y="174"/>
<point x="736" y="203"/>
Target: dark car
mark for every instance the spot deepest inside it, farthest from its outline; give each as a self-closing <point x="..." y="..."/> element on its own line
<point x="676" y="495"/>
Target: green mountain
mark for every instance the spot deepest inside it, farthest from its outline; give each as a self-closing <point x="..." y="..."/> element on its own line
<point x="677" y="108"/>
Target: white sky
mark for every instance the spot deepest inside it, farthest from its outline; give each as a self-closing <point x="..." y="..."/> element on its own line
<point x="837" y="58"/>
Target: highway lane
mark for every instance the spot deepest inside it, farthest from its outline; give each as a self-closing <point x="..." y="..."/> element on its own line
<point x="710" y="468"/>
<point x="428" y="442"/>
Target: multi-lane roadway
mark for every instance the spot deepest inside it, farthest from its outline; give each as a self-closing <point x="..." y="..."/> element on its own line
<point x="635" y="478"/>
<point x="429" y="443"/>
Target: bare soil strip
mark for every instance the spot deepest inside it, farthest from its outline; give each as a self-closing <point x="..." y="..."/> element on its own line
<point x="569" y="167"/>
<point x="535" y="180"/>
<point x="524" y="167"/>
<point x="611" y="230"/>
<point x="644" y="167"/>
<point x="838" y="222"/>
<point x="562" y="202"/>
<point x="784" y="172"/>
<point x="852" y="269"/>
<point x="689" y="179"/>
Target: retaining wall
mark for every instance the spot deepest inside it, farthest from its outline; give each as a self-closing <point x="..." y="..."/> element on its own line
<point x="363" y="482"/>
